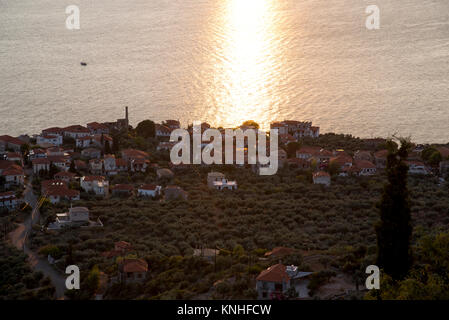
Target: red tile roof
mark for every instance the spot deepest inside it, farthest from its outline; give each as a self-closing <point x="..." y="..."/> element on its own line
<point x="381" y="154"/>
<point x="96" y="126"/>
<point x="171" y="121"/>
<point x="4" y="164"/>
<point x="321" y="174"/>
<point x="13" y="155"/>
<point x="123" y="187"/>
<point x="148" y="187"/>
<point x="309" y="150"/>
<point x="133" y="153"/>
<point x="80" y="164"/>
<point x="122" y="245"/>
<point x="279" y="251"/>
<point x="162" y="128"/>
<point x="11" y="140"/>
<point x="341" y="159"/>
<point x="85" y="138"/>
<point x="121" y="162"/>
<point x="364" y="164"/>
<point x="57" y="159"/>
<point x="65" y="174"/>
<point x="41" y="161"/>
<point x="54" y="130"/>
<point x="94" y="178"/>
<point x="134" y="265"/>
<point x="62" y="191"/>
<point x="444" y="151"/>
<point x="276" y="273"/>
<point x="76" y="129"/>
<point x="53" y="182"/>
<point x="13" y="170"/>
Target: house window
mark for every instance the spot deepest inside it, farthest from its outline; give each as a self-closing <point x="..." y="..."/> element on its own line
<point x="278" y="287"/>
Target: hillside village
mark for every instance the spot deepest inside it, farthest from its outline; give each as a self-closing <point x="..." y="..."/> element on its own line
<point x="69" y="168"/>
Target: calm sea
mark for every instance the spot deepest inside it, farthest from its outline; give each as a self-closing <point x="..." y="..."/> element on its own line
<point x="226" y="61"/>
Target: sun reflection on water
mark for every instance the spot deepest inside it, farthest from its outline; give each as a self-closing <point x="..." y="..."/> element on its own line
<point x="246" y="73"/>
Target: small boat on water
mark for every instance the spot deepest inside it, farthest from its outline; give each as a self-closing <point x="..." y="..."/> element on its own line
<point x="83" y="63"/>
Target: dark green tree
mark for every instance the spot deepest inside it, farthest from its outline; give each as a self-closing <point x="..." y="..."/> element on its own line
<point x="72" y="167"/>
<point x="53" y="170"/>
<point x="394" y="229"/>
<point x="292" y="147"/>
<point x="115" y="143"/>
<point x="107" y="148"/>
<point x="24" y="149"/>
<point x="146" y="129"/>
<point x="251" y="123"/>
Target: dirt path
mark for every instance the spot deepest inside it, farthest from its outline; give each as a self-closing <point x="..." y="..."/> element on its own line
<point x="19" y="236"/>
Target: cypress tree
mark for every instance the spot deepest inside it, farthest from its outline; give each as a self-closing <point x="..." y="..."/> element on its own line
<point x="107" y="148"/>
<point x="72" y="167"/>
<point x="394" y="229"/>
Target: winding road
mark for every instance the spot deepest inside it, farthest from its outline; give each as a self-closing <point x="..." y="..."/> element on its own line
<point x="19" y="236"/>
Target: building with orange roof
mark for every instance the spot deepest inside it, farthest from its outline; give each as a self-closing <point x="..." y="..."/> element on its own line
<point x="380" y="158"/>
<point x="9" y="200"/>
<point x="14" y="175"/>
<point x="322" y="177"/>
<point x="365" y="167"/>
<point x="97" y="128"/>
<point x="11" y="143"/>
<point x="133" y="270"/>
<point x="76" y="131"/>
<point x="96" y="184"/>
<point x="274" y="282"/>
<point x="65" y="176"/>
<point x="279" y="252"/>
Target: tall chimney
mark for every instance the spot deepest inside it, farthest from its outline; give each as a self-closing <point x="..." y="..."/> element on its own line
<point x="126" y="117"/>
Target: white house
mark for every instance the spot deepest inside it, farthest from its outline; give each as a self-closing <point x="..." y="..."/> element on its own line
<point x="96" y="166"/>
<point x="214" y="176"/>
<point x="322" y="177"/>
<point x="365" y="167"/>
<point x="8" y="200"/>
<point x="83" y="142"/>
<point x="149" y="190"/>
<point x="14" y="157"/>
<point x="274" y="282"/>
<point x="41" y="164"/>
<point x="307" y="152"/>
<point x="76" y="131"/>
<point x="58" y="193"/>
<point x="162" y="131"/>
<point x="54" y="139"/>
<point x="61" y="162"/>
<point x="14" y="175"/>
<point x="110" y="165"/>
<point x="225" y="184"/>
<point x="97" y="184"/>
<point x="218" y="181"/>
<point x="97" y="128"/>
<point x="417" y="167"/>
<point x="75" y="216"/>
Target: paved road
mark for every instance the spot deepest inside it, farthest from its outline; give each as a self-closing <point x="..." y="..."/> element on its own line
<point x="18" y="238"/>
